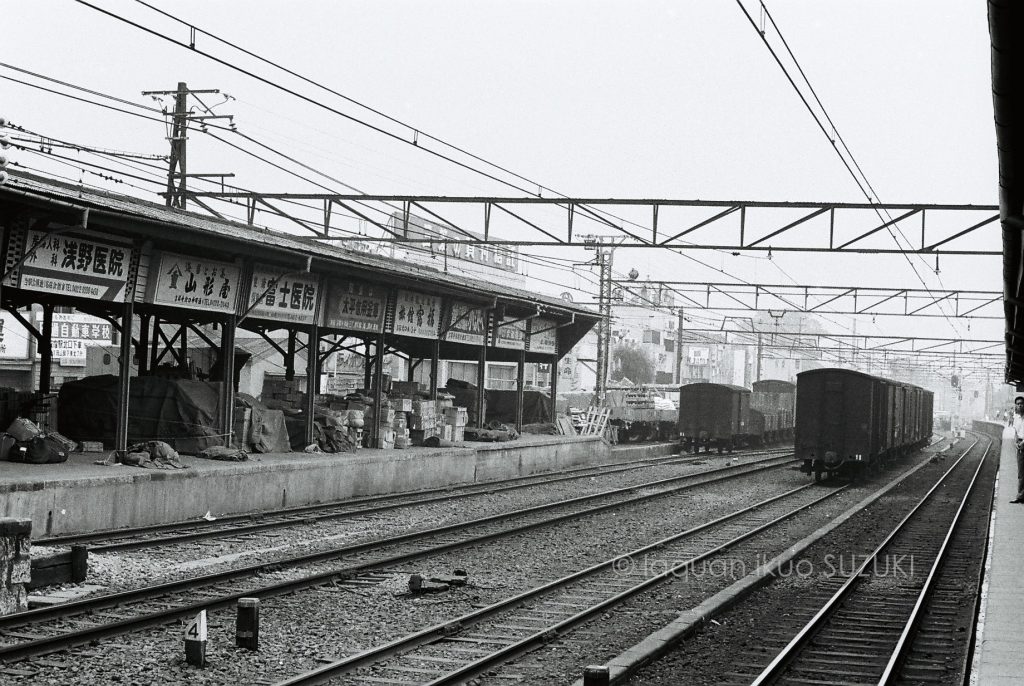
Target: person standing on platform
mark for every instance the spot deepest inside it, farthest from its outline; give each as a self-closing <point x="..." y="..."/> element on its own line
<point x="1018" y="435"/>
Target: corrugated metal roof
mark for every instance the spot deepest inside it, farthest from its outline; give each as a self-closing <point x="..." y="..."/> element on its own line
<point x="130" y="207"/>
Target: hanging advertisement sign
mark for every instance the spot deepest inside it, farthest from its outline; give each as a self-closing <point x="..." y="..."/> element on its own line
<point x="355" y="305"/>
<point x="417" y="315"/>
<point x="193" y="282"/>
<point x="73" y="334"/>
<point x="543" y="336"/>
<point x="68" y="265"/>
<point x="466" y="324"/>
<point x="13" y="338"/>
<point x="278" y="295"/>
<point x="511" y="334"/>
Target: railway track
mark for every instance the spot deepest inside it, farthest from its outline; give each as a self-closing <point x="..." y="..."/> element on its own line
<point x="477" y="642"/>
<point x="45" y="630"/>
<point x="144" y="537"/>
<point x="884" y="621"/>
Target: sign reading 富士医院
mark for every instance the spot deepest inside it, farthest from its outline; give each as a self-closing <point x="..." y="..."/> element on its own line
<point x="355" y="306"/>
<point x="466" y="324"/>
<point x="282" y="296"/>
<point x="192" y="282"/>
<point x="65" y="264"/>
<point x="417" y="315"/>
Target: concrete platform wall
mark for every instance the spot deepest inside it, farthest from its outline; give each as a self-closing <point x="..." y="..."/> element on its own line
<point x="108" y="499"/>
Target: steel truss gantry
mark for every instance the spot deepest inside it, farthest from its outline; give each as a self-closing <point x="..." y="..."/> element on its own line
<point x="846" y="300"/>
<point x="733" y="225"/>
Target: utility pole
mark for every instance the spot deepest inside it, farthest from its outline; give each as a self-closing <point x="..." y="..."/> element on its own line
<point x="604" y="332"/>
<point x="177" y="173"/>
<point x="679" y="349"/>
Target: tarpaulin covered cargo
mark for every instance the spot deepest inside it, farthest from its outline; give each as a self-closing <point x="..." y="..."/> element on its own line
<point x="179" y="412"/>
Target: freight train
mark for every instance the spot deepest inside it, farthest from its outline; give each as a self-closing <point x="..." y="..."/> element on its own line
<point x="849" y="422"/>
<point x="727" y="417"/>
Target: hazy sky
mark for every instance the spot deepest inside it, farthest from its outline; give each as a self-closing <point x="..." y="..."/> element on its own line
<point x="590" y="99"/>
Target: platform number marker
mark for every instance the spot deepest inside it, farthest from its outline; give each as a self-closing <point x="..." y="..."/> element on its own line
<point x="195" y="640"/>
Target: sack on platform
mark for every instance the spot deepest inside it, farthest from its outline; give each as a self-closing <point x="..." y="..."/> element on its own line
<point x="42" y="450"/>
<point x="23" y="429"/>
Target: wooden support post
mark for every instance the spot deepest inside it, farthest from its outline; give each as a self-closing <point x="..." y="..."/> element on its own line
<point x="142" y="351"/>
<point x="46" y="350"/>
<point x="554" y="387"/>
<point x="183" y="349"/>
<point x="289" y="358"/>
<point x="481" y="391"/>
<point x="312" y="379"/>
<point x="435" y="353"/>
<point x="367" y="367"/>
<point x="378" y="390"/>
<point x="153" y="353"/>
<point x="124" y="380"/>
<point x="227" y="362"/>
<point x="520" y="382"/>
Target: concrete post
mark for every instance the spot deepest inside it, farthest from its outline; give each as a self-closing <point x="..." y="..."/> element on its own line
<point x="15" y="564"/>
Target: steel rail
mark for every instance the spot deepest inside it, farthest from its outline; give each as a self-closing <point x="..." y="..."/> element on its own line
<point x="902" y="647"/>
<point x="781" y="661"/>
<point x="440" y="631"/>
<point x="46" y="644"/>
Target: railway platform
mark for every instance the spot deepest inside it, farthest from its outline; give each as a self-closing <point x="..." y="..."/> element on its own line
<point x="80" y="496"/>
<point x="998" y="658"/>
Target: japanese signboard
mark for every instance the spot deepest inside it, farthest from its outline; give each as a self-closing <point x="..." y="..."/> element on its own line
<point x="417" y="315"/>
<point x="466" y="324"/>
<point x="278" y="295"/>
<point x="543" y="336"/>
<point x="511" y="334"/>
<point x="193" y="282"/>
<point x="13" y="338"/>
<point x="697" y="356"/>
<point x="434" y="232"/>
<point x="355" y="305"/>
<point x="68" y="265"/>
<point x="73" y="334"/>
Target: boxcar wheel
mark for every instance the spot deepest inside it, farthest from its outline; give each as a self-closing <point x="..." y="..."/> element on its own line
<point x="817" y="474"/>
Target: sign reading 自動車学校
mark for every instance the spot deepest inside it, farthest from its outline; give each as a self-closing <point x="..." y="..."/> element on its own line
<point x="72" y="335"/>
<point x="65" y="264"/>
<point x="192" y="282"/>
<point x="466" y="324"/>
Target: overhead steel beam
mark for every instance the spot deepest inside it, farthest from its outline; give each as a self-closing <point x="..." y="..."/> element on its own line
<point x="752" y="224"/>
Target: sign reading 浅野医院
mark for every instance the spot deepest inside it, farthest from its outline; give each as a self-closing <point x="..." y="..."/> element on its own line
<point x="417" y="315"/>
<point x="65" y="264"/>
<point x="543" y="336"/>
<point x="193" y="282"/>
<point x="511" y="334"/>
<point x="466" y="324"/>
<point x="355" y="306"/>
<point x="278" y="295"/>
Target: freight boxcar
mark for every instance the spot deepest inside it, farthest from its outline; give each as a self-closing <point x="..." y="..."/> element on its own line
<point x="848" y="422"/>
<point x="775" y="401"/>
<point x="840" y="415"/>
<point x="713" y="416"/>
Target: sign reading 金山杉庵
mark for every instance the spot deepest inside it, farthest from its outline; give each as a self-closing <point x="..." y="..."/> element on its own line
<point x="278" y="295"/>
<point x="355" y="306"/>
<point x="68" y="265"/>
<point x="192" y="282"/>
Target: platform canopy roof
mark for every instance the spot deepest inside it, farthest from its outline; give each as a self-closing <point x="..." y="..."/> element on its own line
<point x="1006" y="28"/>
<point x="174" y="229"/>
